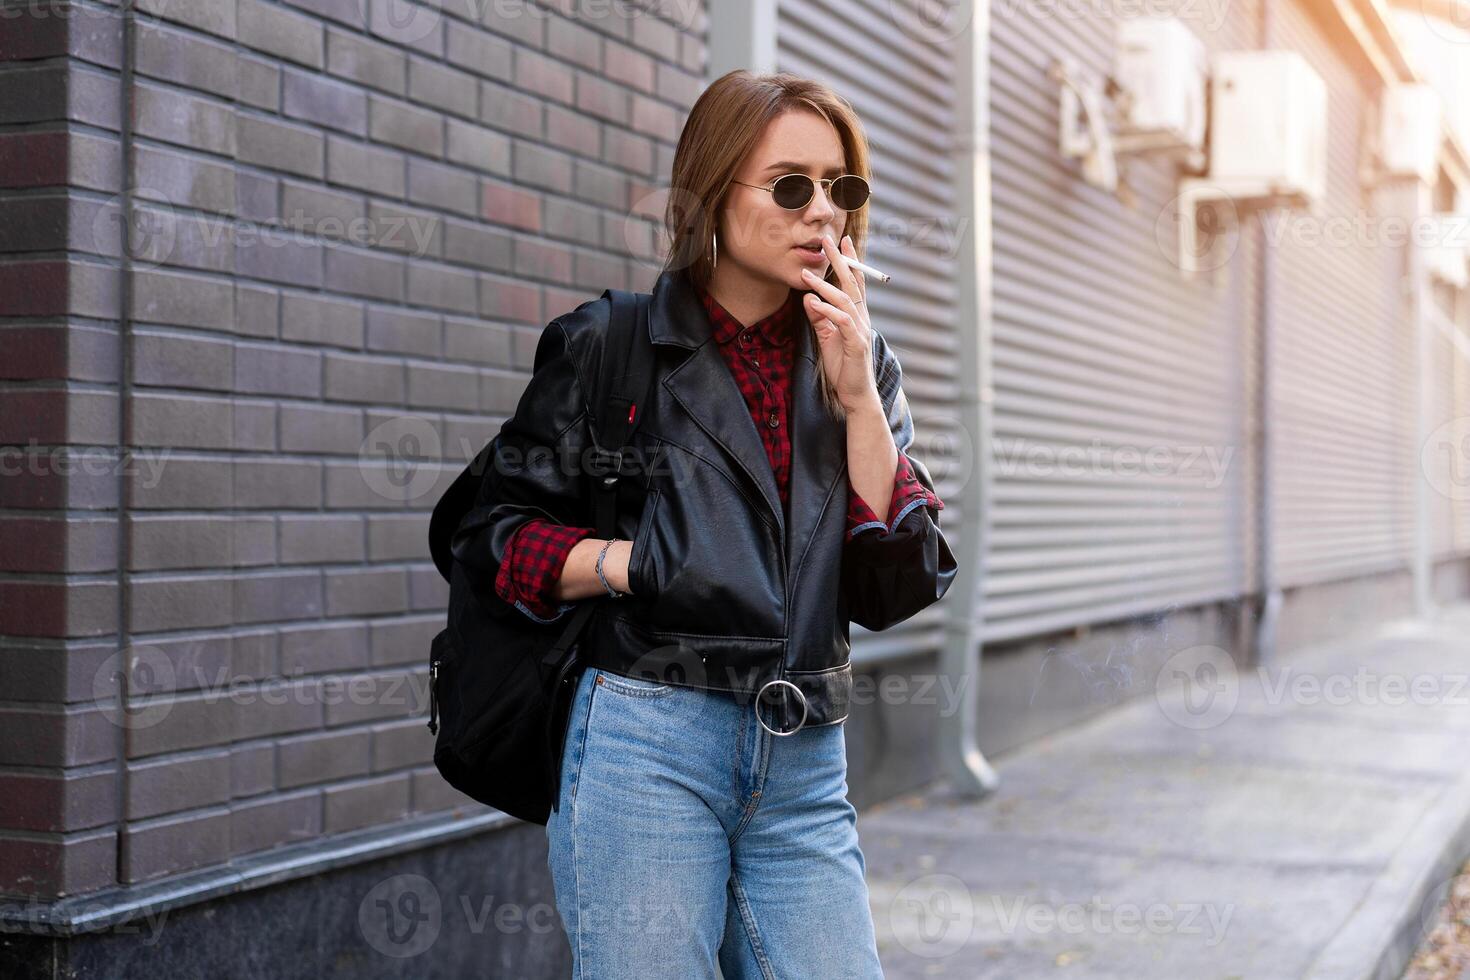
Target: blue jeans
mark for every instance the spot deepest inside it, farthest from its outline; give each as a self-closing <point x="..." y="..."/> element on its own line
<point x="686" y="834"/>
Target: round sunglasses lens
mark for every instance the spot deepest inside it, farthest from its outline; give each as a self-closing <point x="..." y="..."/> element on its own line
<point x="849" y="192"/>
<point x="792" y="191"/>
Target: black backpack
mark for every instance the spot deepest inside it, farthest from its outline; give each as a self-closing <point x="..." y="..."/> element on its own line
<point x="500" y="684"/>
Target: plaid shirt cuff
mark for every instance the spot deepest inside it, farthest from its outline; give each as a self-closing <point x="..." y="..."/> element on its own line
<point x="533" y="563"/>
<point x="908" y="493"/>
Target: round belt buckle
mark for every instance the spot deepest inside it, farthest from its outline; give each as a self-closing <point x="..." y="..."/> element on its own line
<point x="762" y="693"/>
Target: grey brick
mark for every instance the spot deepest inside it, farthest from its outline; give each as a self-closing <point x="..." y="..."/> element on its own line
<point x="419" y="26"/>
<point x="398" y="537"/>
<point x="442" y="186"/>
<point x="655" y="36"/>
<point x="320" y="429"/>
<point x="405" y="125"/>
<point x="541" y="166"/>
<point x="678" y="86"/>
<point x="173" y="116"/>
<point x="258" y="825"/>
<point x="509" y="299"/>
<point x="476" y="341"/>
<point x="254" y="541"/>
<point x="478" y="147"/>
<point x="442" y="286"/>
<point x="657" y="119"/>
<point x="322" y="213"/>
<point x="479" y="51"/>
<point x="316" y="649"/>
<point x="399" y="745"/>
<point x="573" y="221"/>
<point x="316" y="539"/>
<point x="260" y="84"/>
<point x="515" y="112"/>
<point x="372" y="697"/>
<point x="181" y="361"/>
<point x="365" y="592"/>
<point x="545" y="76"/>
<point x="363" y="273"/>
<point x="595" y="94"/>
<point x="542" y="259"/>
<point x="175" y="845"/>
<point x="325" y="101"/>
<point x="183" y="180"/>
<point x="257" y="310"/>
<point x="447" y="89"/>
<point x="257" y="196"/>
<point x="174" y="602"/>
<point x="279" y="707"/>
<point x="253" y="770"/>
<point x="273" y="596"/>
<point x="367" y="62"/>
<point x="187" y="59"/>
<point x="623" y="149"/>
<point x="364" y="804"/>
<point x="372" y="380"/>
<point x="279" y="145"/>
<point x="278" y="255"/>
<point x="573" y="130"/>
<point x="443" y="386"/>
<point x="321" y="320"/>
<point x="174" y="784"/>
<point x="477" y="245"/>
<point x="407" y="230"/>
<point x="603" y="185"/>
<point x="179" y="481"/>
<point x="626" y="66"/>
<point x="282" y="32"/>
<point x="211" y="16"/>
<point x="179" y="421"/>
<point x="402" y="641"/>
<point x="403" y="331"/>
<point x="324" y="757"/>
<point x="571" y="41"/>
<point x="275" y="483"/>
<point x="268" y="369"/>
<point x="367" y="167"/>
<point x="513" y="22"/>
<point x="254" y="425"/>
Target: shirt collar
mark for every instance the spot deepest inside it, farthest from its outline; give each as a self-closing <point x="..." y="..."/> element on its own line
<point x="775" y="328"/>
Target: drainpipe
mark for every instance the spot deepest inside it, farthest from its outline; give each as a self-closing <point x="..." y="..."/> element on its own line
<point x="1420" y="298"/>
<point x="961" y="762"/>
<point x="1263" y="642"/>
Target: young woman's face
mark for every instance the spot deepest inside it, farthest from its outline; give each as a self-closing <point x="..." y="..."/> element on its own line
<point x="760" y="238"/>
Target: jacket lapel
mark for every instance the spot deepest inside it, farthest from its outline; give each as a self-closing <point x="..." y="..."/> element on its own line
<point x="711" y="412"/>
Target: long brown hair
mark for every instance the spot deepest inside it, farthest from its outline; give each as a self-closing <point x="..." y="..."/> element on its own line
<point x="724" y="125"/>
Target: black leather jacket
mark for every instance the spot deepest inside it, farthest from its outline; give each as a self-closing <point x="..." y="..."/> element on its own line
<point x="728" y="591"/>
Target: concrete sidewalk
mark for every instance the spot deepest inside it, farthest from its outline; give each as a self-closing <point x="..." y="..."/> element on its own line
<point x="1297" y="821"/>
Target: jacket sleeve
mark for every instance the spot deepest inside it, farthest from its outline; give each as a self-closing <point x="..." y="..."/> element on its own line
<point x="535" y="472"/>
<point x="889" y="573"/>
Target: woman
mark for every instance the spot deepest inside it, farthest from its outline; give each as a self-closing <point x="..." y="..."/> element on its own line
<point x="703" y="814"/>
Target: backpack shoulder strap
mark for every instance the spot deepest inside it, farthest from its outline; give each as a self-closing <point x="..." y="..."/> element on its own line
<point x="622" y="391"/>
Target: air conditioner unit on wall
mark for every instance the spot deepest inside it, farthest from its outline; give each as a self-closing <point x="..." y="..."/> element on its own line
<point x="1447" y="249"/>
<point x="1268" y="142"/>
<point x="1410" y="132"/>
<point x="1268" y="127"/>
<point x="1162" y="68"/>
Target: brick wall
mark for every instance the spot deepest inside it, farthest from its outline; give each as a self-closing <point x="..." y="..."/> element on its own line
<point x="350" y="221"/>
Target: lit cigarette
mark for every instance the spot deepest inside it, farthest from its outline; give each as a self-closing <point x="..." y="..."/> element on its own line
<point x="868" y="270"/>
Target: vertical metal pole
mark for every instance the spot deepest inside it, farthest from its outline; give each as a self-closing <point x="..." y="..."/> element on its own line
<point x="1419" y="300"/>
<point x="961" y="760"/>
<point x="742" y="34"/>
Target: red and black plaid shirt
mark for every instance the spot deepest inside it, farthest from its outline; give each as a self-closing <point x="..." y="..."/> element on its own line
<point x="760" y="359"/>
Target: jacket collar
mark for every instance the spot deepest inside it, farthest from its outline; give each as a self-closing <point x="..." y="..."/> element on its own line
<point x="709" y="399"/>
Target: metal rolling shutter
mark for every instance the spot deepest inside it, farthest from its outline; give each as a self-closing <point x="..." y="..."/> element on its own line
<point x="1098" y="340"/>
<point x="1345" y="447"/>
<point x="903" y="92"/>
<point x="1446" y="513"/>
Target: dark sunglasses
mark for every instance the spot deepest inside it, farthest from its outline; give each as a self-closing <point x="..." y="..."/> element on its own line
<point x="794" y="191"/>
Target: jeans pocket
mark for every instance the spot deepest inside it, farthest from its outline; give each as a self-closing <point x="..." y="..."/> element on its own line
<point x="636" y="687"/>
